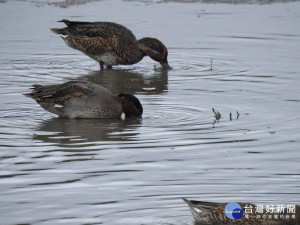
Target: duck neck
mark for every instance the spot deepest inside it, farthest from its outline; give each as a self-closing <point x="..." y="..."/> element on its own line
<point x="145" y="51"/>
<point x="133" y="56"/>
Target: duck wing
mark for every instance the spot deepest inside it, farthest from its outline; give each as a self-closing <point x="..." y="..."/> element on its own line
<point x="103" y="30"/>
<point x="96" y="38"/>
<point x="60" y="94"/>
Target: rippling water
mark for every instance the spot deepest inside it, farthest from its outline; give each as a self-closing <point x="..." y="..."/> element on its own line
<point x="238" y="59"/>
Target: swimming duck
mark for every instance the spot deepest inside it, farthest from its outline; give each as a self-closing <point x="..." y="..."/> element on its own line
<point x="111" y="43"/>
<point x="82" y="99"/>
<point x="214" y="213"/>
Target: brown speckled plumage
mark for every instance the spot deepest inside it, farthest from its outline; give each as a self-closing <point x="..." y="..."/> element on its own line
<point x="111" y="43"/>
<point x="214" y="213"/>
<point x="80" y="99"/>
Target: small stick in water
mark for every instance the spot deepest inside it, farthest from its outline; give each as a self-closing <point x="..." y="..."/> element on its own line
<point x="237" y="115"/>
<point x="211" y="63"/>
<point x="230" y="116"/>
<point x="217" y="114"/>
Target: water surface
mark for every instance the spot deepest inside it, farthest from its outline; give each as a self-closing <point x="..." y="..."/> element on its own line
<point x="233" y="58"/>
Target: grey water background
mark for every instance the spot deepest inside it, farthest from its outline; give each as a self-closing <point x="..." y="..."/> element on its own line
<point x="232" y="57"/>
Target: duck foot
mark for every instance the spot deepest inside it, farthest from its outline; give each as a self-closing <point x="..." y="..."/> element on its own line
<point x="102" y="66"/>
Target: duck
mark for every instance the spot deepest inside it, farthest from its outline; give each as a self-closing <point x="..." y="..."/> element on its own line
<point x="83" y="99"/>
<point x="111" y="43"/>
<point x="214" y="213"/>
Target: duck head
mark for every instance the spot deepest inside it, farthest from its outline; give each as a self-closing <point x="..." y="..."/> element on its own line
<point x="131" y="105"/>
<point x="155" y="49"/>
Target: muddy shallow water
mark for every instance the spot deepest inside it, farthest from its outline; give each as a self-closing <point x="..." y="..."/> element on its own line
<point x="230" y="57"/>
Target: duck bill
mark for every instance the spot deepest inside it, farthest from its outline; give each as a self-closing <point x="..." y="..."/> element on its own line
<point x="165" y="65"/>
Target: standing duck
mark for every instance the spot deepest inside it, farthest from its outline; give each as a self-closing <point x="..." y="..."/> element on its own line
<point x="81" y="99"/>
<point x="111" y="43"/>
<point x="214" y="213"/>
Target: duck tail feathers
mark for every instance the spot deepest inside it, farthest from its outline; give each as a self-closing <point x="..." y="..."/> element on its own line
<point x="29" y="95"/>
<point x="55" y="30"/>
<point x="63" y="32"/>
<point x="67" y="22"/>
<point x="187" y="201"/>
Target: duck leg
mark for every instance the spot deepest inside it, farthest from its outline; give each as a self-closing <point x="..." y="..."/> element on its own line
<point x="101" y="65"/>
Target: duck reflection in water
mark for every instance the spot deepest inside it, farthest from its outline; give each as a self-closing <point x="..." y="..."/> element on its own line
<point x="63" y="132"/>
<point x="130" y="81"/>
